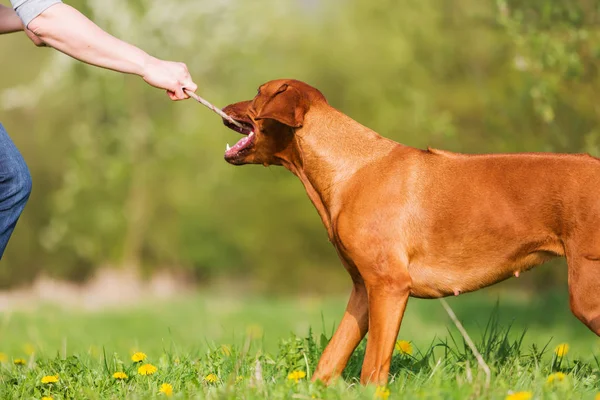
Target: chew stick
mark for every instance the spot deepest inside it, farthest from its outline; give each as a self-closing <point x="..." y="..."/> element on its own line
<point x="215" y="109"/>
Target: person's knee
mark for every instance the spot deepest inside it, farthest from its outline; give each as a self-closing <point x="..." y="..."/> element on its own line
<point x="18" y="177"/>
<point x="23" y="181"/>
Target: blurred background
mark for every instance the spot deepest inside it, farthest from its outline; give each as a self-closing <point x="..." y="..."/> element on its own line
<point x="131" y="189"/>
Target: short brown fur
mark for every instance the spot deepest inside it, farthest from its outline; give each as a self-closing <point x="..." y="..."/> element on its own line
<point x="407" y="222"/>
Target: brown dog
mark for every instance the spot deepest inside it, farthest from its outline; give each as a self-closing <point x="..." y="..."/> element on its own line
<point x="408" y="222"/>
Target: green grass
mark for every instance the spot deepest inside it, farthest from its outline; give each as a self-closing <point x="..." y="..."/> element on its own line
<point x="184" y="339"/>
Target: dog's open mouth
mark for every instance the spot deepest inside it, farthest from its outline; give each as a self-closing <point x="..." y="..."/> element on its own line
<point x="245" y="143"/>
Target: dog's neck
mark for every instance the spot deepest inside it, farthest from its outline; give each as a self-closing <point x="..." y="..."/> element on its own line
<point x="328" y="150"/>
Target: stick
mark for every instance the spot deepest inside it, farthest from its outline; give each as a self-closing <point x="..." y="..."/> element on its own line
<point x="215" y="109"/>
<point x="465" y="335"/>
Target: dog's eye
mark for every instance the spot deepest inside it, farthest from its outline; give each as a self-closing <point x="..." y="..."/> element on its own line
<point x="282" y="88"/>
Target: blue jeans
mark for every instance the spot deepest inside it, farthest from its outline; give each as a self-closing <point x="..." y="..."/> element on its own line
<point x="15" y="187"/>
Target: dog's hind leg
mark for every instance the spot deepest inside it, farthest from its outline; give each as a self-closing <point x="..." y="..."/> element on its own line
<point x="584" y="287"/>
<point x="348" y="335"/>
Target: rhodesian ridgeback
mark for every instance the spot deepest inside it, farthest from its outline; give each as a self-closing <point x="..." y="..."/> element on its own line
<point x="422" y="223"/>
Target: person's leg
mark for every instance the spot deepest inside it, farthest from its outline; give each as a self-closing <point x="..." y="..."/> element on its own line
<point x="15" y="187"/>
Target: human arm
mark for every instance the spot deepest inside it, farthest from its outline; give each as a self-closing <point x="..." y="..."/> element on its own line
<point x="67" y="30"/>
<point x="9" y="20"/>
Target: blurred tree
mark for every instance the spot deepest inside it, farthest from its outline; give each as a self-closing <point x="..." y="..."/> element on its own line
<point x="557" y="49"/>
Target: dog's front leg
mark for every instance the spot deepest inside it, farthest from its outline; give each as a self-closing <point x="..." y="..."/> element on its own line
<point x="387" y="302"/>
<point x="347" y="336"/>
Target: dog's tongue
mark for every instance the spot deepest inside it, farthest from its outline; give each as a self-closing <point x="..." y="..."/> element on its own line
<point x="240" y="144"/>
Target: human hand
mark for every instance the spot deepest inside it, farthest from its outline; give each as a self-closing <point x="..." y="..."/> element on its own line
<point x="169" y="75"/>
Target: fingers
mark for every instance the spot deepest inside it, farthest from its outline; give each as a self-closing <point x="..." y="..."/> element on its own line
<point x="180" y="94"/>
<point x="171" y="76"/>
<point x="172" y="95"/>
<point x="184" y="81"/>
<point x="191" y="86"/>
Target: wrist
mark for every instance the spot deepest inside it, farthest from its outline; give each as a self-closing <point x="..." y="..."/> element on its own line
<point x="146" y="63"/>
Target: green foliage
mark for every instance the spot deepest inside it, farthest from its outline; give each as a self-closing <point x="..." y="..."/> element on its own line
<point x="556" y="48"/>
<point x="123" y="177"/>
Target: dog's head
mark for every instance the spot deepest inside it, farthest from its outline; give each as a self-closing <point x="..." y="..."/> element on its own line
<point x="270" y="121"/>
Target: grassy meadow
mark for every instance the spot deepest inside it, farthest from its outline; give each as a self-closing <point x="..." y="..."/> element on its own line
<point x="209" y="346"/>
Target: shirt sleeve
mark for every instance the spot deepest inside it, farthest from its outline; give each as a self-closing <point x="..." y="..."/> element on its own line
<point x="29" y="9"/>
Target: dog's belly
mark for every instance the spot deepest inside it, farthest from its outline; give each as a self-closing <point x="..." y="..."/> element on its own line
<point x="433" y="278"/>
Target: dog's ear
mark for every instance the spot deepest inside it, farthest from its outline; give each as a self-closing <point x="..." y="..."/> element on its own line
<point x="287" y="105"/>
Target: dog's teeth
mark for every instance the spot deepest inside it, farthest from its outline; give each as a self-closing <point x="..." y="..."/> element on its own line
<point x="227" y="148"/>
<point x="251" y="134"/>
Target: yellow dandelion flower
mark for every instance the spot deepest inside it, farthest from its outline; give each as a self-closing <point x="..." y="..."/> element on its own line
<point x="404" y="347"/>
<point x="167" y="389"/>
<point x="239" y="378"/>
<point x="120" y="375"/>
<point x="177" y="361"/>
<point x="147" y="369"/>
<point x="562" y="349"/>
<point x="296" y="376"/>
<point x="519" y="396"/>
<point x="138" y="356"/>
<point x="597" y="396"/>
<point x="382" y="392"/>
<point x="29" y="349"/>
<point x="211" y="378"/>
<point x="3" y="357"/>
<point x="47" y="398"/>
<point x="226" y="350"/>
<point x="50" y="379"/>
<point x="556" y="377"/>
<point x="19" y="361"/>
